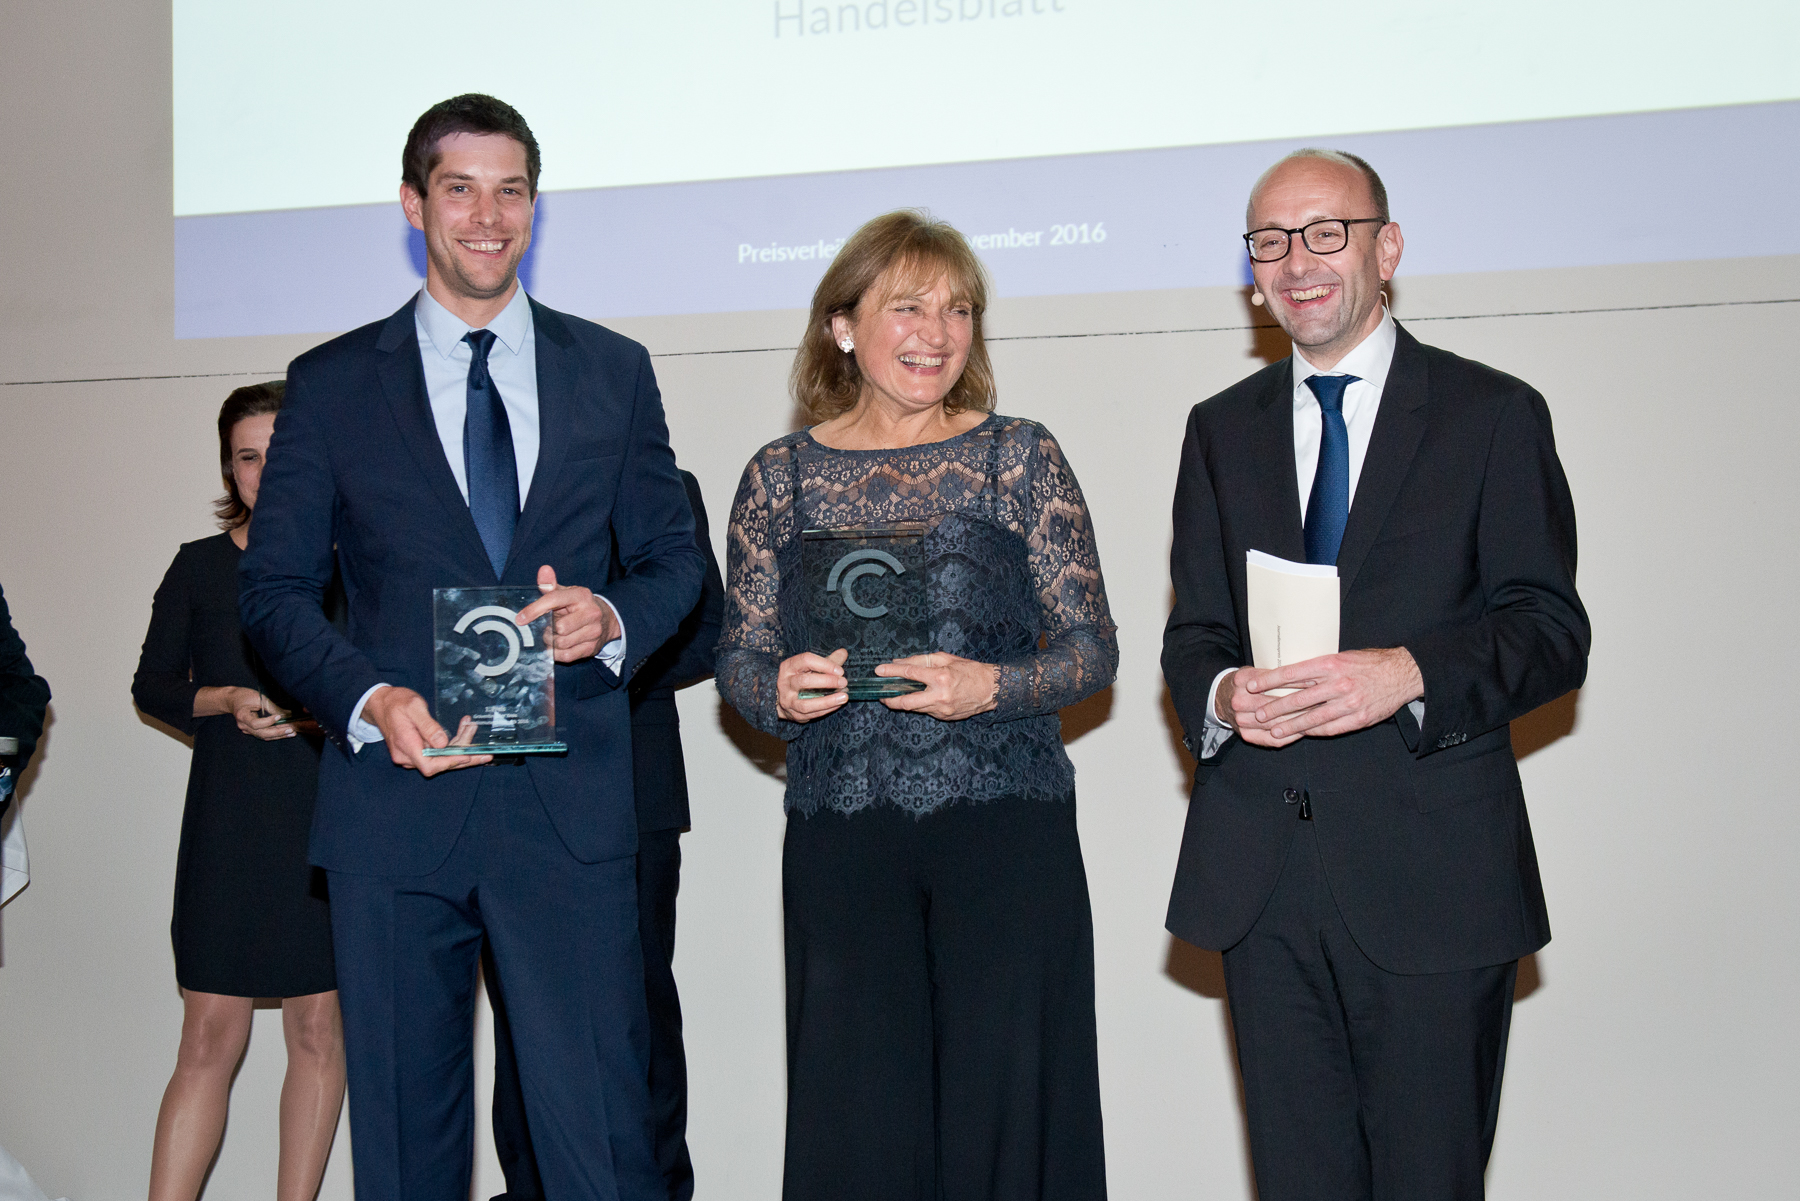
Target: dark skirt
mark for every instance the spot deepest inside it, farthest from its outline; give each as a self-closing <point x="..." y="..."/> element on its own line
<point x="940" y="996"/>
<point x="251" y="918"/>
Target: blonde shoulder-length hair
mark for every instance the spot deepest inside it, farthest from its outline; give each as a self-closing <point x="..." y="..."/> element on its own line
<point x="917" y="250"/>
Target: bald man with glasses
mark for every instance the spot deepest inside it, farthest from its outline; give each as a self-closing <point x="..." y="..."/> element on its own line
<point x="1359" y="848"/>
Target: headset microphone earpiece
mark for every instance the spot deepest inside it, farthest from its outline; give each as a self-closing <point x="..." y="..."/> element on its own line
<point x="1256" y="298"/>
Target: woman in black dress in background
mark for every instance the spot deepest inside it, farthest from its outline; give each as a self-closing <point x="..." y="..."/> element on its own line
<point x="248" y="922"/>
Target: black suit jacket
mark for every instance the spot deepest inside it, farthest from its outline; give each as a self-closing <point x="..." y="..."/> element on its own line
<point x="23" y="693"/>
<point x="658" y="771"/>
<point x="1460" y="547"/>
<point x="356" y="465"/>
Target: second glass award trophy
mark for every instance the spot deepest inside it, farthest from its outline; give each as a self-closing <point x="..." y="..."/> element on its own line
<point x="493" y="672"/>
<point x="865" y="592"/>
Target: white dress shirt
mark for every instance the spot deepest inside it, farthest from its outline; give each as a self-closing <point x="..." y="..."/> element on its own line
<point x="1369" y="362"/>
<point x="512" y="365"/>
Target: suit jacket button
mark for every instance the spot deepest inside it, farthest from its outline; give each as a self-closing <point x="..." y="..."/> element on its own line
<point x="1291" y="796"/>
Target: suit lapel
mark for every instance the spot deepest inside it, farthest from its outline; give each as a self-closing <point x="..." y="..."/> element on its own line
<point x="558" y="383"/>
<point x="403" y="385"/>
<point x="1399" y="427"/>
<point x="1277" y="501"/>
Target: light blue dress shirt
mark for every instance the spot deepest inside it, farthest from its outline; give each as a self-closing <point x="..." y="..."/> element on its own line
<point x="512" y="364"/>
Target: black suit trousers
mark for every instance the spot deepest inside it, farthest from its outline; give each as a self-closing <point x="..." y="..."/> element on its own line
<point x="658" y="882"/>
<point x="1360" y="1084"/>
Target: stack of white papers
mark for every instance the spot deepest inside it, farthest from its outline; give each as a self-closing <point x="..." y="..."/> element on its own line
<point x="1293" y="611"/>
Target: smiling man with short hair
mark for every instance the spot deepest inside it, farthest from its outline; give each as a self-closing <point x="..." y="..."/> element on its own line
<point x="473" y="438"/>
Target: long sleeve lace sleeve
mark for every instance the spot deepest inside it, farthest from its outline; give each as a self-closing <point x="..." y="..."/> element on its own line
<point x="1080" y="651"/>
<point x="751" y="645"/>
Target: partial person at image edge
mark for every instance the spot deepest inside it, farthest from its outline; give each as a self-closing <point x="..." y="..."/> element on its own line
<point x="24" y="699"/>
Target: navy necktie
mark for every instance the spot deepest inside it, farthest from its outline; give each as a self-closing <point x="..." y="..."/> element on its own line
<point x="1328" y="508"/>
<point x="488" y="462"/>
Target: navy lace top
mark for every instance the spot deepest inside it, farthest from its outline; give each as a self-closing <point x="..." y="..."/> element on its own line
<point x="1013" y="577"/>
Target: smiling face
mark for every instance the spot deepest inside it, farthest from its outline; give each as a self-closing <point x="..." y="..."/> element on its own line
<point x="1326" y="303"/>
<point x="476" y="217"/>
<point x="249" y="451"/>
<point x="912" y="346"/>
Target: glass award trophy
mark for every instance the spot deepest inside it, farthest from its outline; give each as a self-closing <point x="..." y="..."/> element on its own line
<point x="493" y="672"/>
<point x="865" y="592"/>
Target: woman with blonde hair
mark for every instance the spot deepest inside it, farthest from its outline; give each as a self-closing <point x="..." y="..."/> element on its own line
<point x="940" y="964"/>
<point x="251" y="918"/>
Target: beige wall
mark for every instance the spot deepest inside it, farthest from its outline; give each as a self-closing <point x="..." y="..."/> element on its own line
<point x="1651" y="1058"/>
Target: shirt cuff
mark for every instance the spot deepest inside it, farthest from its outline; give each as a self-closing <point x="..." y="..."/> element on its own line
<point x="359" y="731"/>
<point x="1418" y="711"/>
<point x="613" y="653"/>
<point x="1214" y="733"/>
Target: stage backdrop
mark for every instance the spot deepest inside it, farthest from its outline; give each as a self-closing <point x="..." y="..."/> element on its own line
<point x="1599" y="199"/>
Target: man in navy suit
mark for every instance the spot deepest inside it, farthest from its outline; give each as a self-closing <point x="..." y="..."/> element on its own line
<point x="476" y="437"/>
<point x="1357" y="843"/>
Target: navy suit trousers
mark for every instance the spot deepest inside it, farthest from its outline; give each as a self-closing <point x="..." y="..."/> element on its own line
<point x="658" y="881"/>
<point x="565" y="941"/>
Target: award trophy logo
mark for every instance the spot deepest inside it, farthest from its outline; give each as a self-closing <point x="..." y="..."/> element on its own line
<point x="493" y="672"/>
<point x="865" y="591"/>
<point x="861" y="563"/>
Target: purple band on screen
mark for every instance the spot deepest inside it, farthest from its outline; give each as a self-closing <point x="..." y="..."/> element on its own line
<point x="1590" y="191"/>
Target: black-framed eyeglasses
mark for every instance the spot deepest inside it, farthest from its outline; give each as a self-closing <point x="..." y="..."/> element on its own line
<point x="1321" y="237"/>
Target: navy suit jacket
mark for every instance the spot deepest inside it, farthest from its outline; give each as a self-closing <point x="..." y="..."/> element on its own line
<point x="659" y="771"/>
<point x="24" y="696"/>
<point x="356" y="465"/>
<point x="1460" y="547"/>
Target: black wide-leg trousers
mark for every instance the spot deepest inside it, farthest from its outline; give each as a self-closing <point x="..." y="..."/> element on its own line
<point x="1360" y="1084"/>
<point x="940" y="996"/>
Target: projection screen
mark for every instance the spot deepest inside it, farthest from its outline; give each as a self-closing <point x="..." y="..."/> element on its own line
<point x="709" y="155"/>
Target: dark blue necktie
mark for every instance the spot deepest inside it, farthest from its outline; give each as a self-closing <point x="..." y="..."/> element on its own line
<point x="492" y="471"/>
<point x="1328" y="508"/>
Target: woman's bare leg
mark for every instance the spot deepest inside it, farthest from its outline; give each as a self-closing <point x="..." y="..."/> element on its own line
<point x="312" y="1092"/>
<point x="214" y="1031"/>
